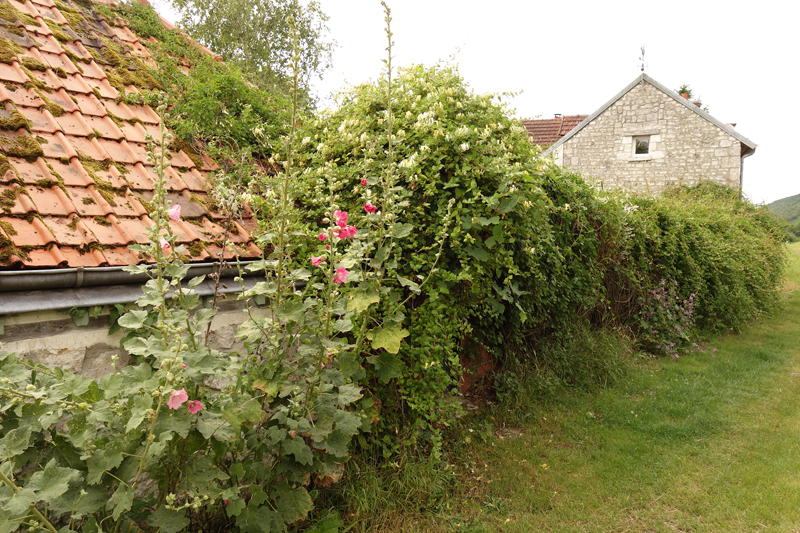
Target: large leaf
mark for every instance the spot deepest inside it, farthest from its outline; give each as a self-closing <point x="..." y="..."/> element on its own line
<point x="133" y="319"/>
<point x="167" y="520"/>
<point x="386" y="365"/>
<point x="478" y="253"/>
<point x="298" y="447"/>
<point x="388" y="338"/>
<point x="362" y="298"/>
<point x="293" y="504"/>
<point x="53" y="481"/>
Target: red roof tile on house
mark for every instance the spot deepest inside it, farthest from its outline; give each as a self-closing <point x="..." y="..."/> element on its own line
<point x="75" y="180"/>
<point x="544" y="132"/>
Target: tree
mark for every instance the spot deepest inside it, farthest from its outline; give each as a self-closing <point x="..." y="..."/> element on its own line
<point x="254" y="35"/>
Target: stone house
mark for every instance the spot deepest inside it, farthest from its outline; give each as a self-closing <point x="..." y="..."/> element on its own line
<point x="648" y="138"/>
<point x="75" y="181"/>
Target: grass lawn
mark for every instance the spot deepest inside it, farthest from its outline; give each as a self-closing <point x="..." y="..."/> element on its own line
<point x="698" y="444"/>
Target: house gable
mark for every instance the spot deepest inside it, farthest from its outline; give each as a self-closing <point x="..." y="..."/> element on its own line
<point x="679" y="143"/>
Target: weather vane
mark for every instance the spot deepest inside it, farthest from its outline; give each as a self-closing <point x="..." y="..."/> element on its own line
<point x="641" y="58"/>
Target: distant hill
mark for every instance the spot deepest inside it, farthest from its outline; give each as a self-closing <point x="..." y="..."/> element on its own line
<point x="787" y="209"/>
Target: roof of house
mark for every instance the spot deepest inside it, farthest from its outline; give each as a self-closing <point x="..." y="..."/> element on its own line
<point x="74" y="176"/>
<point x="748" y="146"/>
<point x="544" y="132"/>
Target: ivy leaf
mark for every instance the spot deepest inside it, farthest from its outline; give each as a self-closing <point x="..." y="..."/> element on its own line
<point x="168" y="521"/>
<point x="386" y="365"/>
<point x="388" y="338"/>
<point x="362" y="298"/>
<point x="293" y="504"/>
<point x="133" y="319"/>
<point x="478" y="253"/>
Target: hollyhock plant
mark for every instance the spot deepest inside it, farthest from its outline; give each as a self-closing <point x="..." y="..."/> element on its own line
<point x="165" y="245"/>
<point x="316" y="261"/>
<point x="364" y="183"/>
<point x="194" y="406"/>
<point x="369" y="208"/>
<point x="175" y="212"/>
<point x="341" y="275"/>
<point x="322" y="236"/>
<point x="177" y="398"/>
<point x="347" y="231"/>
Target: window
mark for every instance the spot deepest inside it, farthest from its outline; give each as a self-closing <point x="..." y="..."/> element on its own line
<point x="641" y="145"/>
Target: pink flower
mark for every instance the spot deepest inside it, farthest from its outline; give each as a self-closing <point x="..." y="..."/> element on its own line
<point x="194" y="406"/>
<point x="341" y="275"/>
<point x="164" y="245"/>
<point x="177" y="398"/>
<point x="175" y="212"/>
<point x="347" y="231"/>
<point x="369" y="208"/>
<point x="364" y="183"/>
<point x="322" y="236"/>
<point x="316" y="261"/>
<point x="341" y="218"/>
<point x="327" y="246"/>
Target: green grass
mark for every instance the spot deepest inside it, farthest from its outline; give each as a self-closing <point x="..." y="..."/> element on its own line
<point x="699" y="444"/>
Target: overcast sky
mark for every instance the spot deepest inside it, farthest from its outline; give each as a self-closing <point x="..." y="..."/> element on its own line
<point x="571" y="56"/>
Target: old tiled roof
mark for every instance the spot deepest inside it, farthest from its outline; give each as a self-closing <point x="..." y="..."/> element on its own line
<point x="544" y="132"/>
<point x="74" y="175"/>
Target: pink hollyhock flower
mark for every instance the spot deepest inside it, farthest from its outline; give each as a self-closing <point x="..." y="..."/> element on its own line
<point x="316" y="261"/>
<point x="175" y="212"/>
<point x="177" y="398"/>
<point x="194" y="406"/>
<point x="322" y="236"/>
<point x="348" y="231"/>
<point x="364" y="183"/>
<point x="165" y="245"/>
<point x="327" y="246"/>
<point x="341" y="275"/>
<point x="369" y="208"/>
<point x="341" y="218"/>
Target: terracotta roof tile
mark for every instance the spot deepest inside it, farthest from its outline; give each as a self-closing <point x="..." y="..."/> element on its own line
<point x="545" y="132"/>
<point x="85" y="200"/>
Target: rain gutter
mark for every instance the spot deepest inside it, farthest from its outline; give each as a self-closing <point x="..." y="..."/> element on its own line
<point x="23" y="291"/>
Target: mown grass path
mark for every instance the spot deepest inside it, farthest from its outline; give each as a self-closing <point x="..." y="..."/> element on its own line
<point x="700" y="444"/>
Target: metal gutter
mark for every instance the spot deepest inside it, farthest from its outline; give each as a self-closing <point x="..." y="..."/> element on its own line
<point x="51" y="290"/>
<point x="64" y="278"/>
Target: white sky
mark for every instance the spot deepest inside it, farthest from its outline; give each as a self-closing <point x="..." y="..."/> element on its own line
<point x="740" y="58"/>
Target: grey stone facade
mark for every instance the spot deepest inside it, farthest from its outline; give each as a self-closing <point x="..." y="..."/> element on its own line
<point x="684" y="145"/>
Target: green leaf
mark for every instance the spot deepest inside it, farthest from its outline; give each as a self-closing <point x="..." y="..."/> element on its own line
<point x="104" y="460"/>
<point x="298" y="447"/>
<point x="508" y="204"/>
<point x="405" y="282"/>
<point x="388" y="338"/>
<point x="133" y="319"/>
<point x="386" y="365"/>
<point x="349" y="394"/>
<point x="53" y="481"/>
<point x="362" y="298"/>
<point x="488" y="221"/>
<point x="15" y="442"/>
<point x="478" y="253"/>
<point x="141" y="404"/>
<point x="290" y="311"/>
<point x="122" y="499"/>
<point x="402" y="230"/>
<point x="293" y="504"/>
<point x="343" y="325"/>
<point x="194" y="282"/>
<point x="168" y="521"/>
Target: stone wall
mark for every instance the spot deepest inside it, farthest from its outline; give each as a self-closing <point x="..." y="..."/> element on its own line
<point x="53" y="339"/>
<point x="685" y="148"/>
